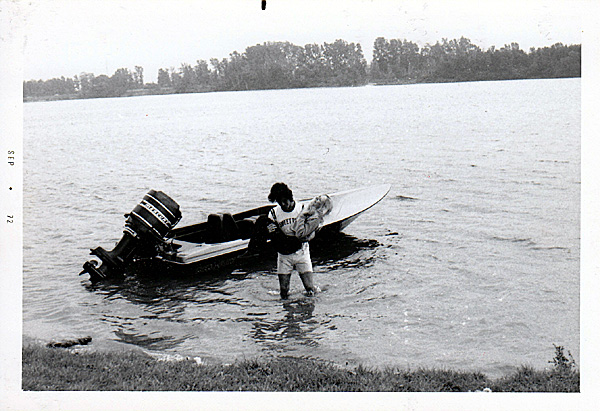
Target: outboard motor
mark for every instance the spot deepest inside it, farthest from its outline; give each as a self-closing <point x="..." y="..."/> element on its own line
<point x="145" y="228"/>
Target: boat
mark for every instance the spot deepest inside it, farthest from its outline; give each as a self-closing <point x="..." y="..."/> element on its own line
<point x="152" y="244"/>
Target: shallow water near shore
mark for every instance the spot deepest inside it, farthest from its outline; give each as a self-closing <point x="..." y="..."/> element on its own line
<point x="471" y="262"/>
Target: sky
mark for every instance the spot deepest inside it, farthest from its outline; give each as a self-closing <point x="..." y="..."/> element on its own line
<point x="68" y="37"/>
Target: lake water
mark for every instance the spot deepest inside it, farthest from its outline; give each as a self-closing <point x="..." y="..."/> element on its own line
<point x="471" y="262"/>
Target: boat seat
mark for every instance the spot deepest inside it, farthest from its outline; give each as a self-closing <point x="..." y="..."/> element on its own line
<point x="260" y="235"/>
<point x="214" y="229"/>
<point x="230" y="228"/>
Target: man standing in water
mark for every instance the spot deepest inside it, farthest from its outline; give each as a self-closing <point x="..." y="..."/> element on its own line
<point x="292" y="252"/>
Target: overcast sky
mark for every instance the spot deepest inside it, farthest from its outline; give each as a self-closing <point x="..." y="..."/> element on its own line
<point x="67" y="37"/>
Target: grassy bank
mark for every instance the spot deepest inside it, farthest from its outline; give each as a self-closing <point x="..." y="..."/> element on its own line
<point x="57" y="369"/>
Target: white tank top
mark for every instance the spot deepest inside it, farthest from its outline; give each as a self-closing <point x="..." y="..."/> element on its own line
<point x="285" y="220"/>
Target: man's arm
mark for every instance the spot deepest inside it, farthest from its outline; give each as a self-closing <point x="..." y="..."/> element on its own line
<point x="306" y="224"/>
<point x="272" y="224"/>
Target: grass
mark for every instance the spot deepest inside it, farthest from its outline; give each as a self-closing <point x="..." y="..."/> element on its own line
<point x="57" y="369"/>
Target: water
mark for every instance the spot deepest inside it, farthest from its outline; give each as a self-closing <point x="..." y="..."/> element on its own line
<point x="471" y="262"/>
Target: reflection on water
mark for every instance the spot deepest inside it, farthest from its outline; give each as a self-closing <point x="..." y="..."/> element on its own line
<point x="297" y="323"/>
<point x="339" y="250"/>
<point x="159" y="343"/>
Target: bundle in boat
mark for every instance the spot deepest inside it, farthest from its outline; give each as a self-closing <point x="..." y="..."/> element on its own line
<point x="145" y="229"/>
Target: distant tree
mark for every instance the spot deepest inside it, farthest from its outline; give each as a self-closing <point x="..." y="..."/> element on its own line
<point x="86" y="84"/>
<point x="32" y="88"/>
<point x="49" y="88"/>
<point x="184" y="80"/>
<point x="569" y="64"/>
<point x="120" y="82"/>
<point x="138" y="76"/>
<point x="101" y="86"/>
<point x="380" y="66"/>
<point x="164" y="78"/>
<point x="395" y="59"/>
<point x="203" y="74"/>
<point x="555" y="61"/>
<point x="268" y="65"/>
<point x="311" y="69"/>
<point x="236" y="72"/>
<point x="345" y="63"/>
<point x="219" y="73"/>
<point x="76" y="84"/>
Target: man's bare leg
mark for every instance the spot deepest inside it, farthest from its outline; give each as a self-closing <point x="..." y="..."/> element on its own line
<point x="307" y="281"/>
<point x="284" y="285"/>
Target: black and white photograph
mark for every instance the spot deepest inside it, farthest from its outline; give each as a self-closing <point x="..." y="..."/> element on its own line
<point x="243" y="204"/>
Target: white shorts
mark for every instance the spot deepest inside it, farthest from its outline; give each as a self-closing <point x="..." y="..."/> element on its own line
<point x="300" y="260"/>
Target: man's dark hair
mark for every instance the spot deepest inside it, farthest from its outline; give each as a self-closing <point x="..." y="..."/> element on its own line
<point x="280" y="191"/>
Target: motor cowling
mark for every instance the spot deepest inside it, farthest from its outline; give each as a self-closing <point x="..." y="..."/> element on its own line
<point x="145" y="228"/>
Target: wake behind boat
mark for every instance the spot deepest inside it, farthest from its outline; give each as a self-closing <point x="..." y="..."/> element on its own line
<point x="151" y="242"/>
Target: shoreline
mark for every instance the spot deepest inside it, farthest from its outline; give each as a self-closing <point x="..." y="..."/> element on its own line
<point x="89" y="368"/>
<point x="164" y="92"/>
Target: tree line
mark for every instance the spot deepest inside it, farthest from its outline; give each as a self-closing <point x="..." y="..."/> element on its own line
<point x="279" y="65"/>
<point x="86" y="85"/>
<point x="461" y="60"/>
